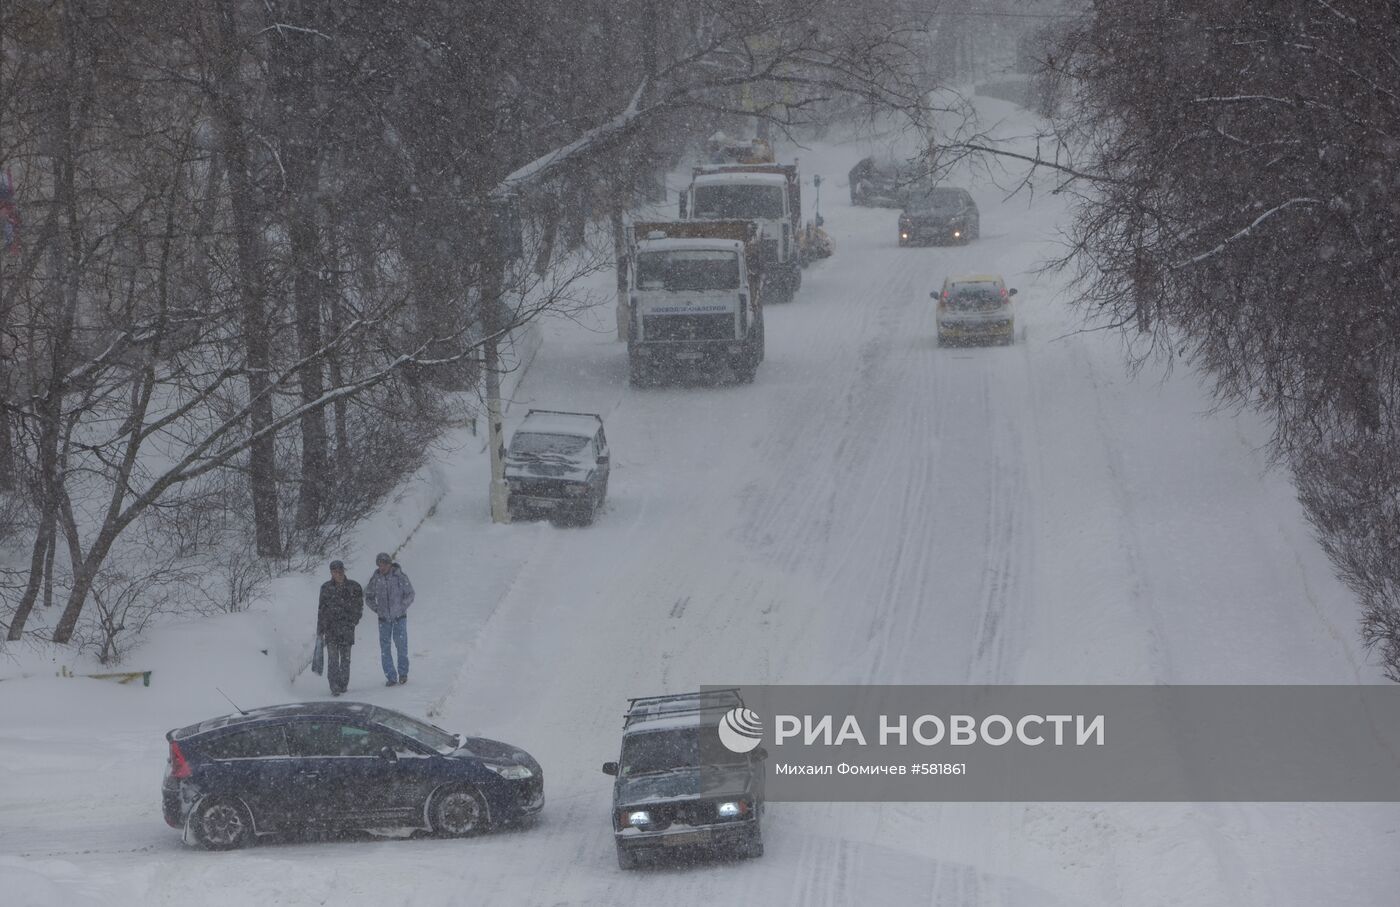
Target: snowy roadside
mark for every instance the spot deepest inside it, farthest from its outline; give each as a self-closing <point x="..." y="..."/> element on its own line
<point x="872" y="509"/>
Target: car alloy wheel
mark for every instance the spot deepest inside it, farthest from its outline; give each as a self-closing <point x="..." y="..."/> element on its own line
<point x="458" y="812"/>
<point x="223" y="825"/>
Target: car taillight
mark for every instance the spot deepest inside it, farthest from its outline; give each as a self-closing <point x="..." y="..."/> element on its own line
<point x="1003" y="292"/>
<point x="179" y="768"/>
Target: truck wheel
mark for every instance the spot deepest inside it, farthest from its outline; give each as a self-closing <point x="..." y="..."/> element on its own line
<point x="626" y="859"/>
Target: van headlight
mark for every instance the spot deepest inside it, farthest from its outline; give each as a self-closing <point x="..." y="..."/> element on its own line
<point x="732" y="809"/>
<point x="638" y="818"/>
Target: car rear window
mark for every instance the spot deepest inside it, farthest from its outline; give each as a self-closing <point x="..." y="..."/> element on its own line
<point x="540" y="444"/>
<point x="253" y="743"/>
<point x="975" y="297"/>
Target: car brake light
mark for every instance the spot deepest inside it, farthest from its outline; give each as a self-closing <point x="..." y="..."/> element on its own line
<point x="179" y="768"/>
<point x="1003" y="292"/>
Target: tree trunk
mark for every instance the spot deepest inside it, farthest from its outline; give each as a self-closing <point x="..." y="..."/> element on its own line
<point x="335" y="306"/>
<point x="624" y="303"/>
<point x="262" y="461"/>
<point x="62" y="296"/>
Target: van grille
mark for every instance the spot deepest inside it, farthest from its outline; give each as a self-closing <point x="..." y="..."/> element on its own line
<point x="680" y="328"/>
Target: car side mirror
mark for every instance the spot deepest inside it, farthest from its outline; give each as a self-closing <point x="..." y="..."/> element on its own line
<point x="933" y="295"/>
<point x="388" y="754"/>
<point x="682" y="205"/>
<point x="760" y="754"/>
<point x="610" y="768"/>
<point x="603" y="460"/>
<point x="1010" y="292"/>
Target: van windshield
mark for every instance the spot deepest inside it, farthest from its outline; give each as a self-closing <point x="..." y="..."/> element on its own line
<point x="935" y="200"/>
<point x="688" y="270"/>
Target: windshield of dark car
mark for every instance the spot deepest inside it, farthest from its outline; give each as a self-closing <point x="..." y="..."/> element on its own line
<point x="739" y="201"/>
<point x="659" y="751"/>
<point x="688" y="270"/>
<point x="429" y="735"/>
<point x="540" y="444"/>
<point x="936" y="200"/>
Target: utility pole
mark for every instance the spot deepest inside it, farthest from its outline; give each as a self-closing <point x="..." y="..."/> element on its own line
<point x="498" y="245"/>
<point x="500" y="492"/>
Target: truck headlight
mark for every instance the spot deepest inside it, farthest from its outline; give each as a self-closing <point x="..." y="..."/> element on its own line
<point x="638" y="818"/>
<point x="510" y="772"/>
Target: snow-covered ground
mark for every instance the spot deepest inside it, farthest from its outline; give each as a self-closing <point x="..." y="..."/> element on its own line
<point x="871" y="509"/>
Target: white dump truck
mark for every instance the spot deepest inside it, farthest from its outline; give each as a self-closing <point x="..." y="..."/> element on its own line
<point x="695" y="299"/>
<point x="770" y="195"/>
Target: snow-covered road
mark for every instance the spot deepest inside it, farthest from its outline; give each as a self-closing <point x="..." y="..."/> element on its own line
<point x="872" y="509"/>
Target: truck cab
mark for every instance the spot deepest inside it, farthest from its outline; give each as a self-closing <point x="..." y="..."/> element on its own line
<point x="694" y="300"/>
<point x="769" y="195"/>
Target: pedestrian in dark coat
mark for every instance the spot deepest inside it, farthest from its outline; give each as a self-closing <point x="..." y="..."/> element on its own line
<point x="342" y="603"/>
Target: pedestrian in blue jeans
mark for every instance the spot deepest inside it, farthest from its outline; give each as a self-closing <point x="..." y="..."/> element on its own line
<point x="388" y="594"/>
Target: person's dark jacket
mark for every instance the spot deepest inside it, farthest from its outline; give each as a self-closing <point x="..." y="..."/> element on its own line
<point x="339" y="611"/>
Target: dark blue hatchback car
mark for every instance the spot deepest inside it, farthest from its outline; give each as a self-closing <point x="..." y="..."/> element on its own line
<point x="342" y="765"/>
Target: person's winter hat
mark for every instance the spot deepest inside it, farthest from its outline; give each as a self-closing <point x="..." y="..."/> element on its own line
<point x="382" y="558"/>
<point x="337" y="565"/>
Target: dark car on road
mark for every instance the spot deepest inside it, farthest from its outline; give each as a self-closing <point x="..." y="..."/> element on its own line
<point x="339" y="766"/>
<point x="557" y="466"/>
<point x="941" y="215"/>
<point x="678" y="787"/>
<point x="882" y="182"/>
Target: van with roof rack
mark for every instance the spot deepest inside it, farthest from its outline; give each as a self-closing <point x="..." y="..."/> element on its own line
<point x="679" y="787"/>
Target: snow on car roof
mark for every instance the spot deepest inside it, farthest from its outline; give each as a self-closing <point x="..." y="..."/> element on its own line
<point x="975" y="278"/>
<point x="581" y="424"/>
<point x="700" y="243"/>
<point x="730" y="177"/>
